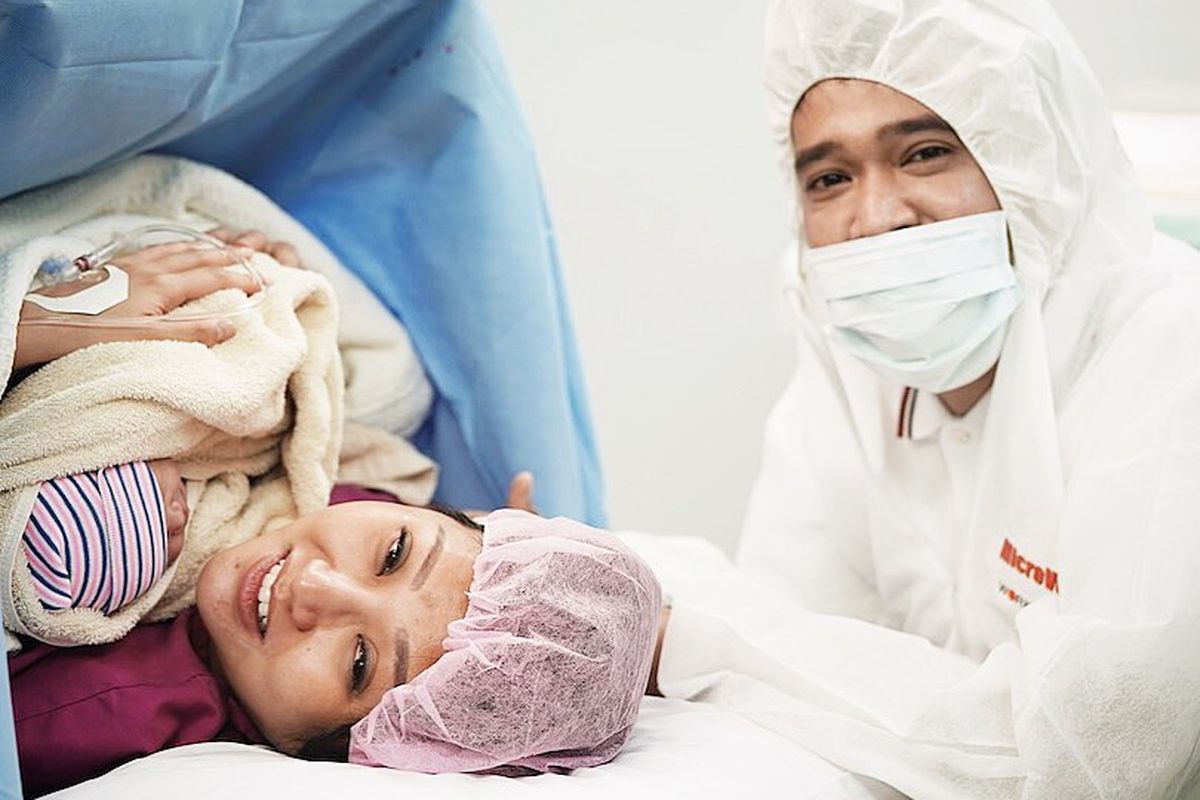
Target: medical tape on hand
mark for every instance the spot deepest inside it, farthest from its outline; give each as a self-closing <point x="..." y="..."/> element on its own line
<point x="95" y="299"/>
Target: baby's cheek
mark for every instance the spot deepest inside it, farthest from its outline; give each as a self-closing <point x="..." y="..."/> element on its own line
<point x="174" y="544"/>
<point x="177" y="519"/>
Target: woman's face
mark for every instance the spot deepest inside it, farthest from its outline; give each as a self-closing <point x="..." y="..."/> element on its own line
<point x="357" y="599"/>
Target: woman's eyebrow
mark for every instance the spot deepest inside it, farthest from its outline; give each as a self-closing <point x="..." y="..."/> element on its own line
<point x="430" y="559"/>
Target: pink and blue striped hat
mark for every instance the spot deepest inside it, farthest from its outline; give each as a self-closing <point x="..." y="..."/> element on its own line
<point x="97" y="539"/>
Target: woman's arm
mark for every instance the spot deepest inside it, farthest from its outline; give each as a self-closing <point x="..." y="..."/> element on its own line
<point x="161" y="278"/>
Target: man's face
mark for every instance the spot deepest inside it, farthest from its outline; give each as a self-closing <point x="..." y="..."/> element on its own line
<point x="871" y="160"/>
<point x="361" y="603"/>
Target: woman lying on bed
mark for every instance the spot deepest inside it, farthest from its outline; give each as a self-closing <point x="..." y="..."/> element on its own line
<point x="371" y="631"/>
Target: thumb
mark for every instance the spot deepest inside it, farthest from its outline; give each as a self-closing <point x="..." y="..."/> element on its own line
<point x="213" y="332"/>
<point x="520" y="492"/>
<point x="207" y="332"/>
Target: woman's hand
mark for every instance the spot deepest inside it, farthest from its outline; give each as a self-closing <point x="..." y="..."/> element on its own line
<point x="161" y="278"/>
<point x="282" y="252"/>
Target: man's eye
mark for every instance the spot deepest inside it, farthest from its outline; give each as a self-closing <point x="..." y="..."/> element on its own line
<point x="396" y="553"/>
<point x="358" y="667"/>
<point x="826" y="181"/>
<point x="928" y="153"/>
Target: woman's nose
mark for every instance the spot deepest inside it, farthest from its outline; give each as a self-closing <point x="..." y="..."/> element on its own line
<point x="319" y="594"/>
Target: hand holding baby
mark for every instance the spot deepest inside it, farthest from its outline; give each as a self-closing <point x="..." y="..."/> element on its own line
<point x="161" y="278"/>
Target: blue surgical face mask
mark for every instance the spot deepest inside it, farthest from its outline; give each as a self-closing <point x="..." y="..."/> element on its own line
<point x="925" y="306"/>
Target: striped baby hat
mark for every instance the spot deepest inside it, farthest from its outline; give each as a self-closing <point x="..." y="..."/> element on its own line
<point x="97" y="539"/>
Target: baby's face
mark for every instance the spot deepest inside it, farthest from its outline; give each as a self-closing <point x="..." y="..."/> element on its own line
<point x="175" y="505"/>
<point x="311" y="623"/>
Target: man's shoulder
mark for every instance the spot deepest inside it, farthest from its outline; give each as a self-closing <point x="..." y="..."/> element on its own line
<point x="1143" y="381"/>
<point x="1166" y="323"/>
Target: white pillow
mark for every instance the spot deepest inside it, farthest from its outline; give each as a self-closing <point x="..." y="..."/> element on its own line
<point x="677" y="749"/>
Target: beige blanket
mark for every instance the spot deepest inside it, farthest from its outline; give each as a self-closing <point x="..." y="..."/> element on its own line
<point x="257" y="421"/>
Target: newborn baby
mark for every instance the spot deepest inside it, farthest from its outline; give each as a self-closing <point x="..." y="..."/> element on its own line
<point x="101" y="539"/>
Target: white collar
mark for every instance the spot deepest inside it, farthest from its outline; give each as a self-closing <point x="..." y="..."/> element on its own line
<point x="922" y="415"/>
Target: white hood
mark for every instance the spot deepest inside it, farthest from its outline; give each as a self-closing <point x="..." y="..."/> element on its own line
<point x="1011" y="82"/>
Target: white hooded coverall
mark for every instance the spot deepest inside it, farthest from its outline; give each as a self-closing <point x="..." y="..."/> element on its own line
<point x="1006" y="604"/>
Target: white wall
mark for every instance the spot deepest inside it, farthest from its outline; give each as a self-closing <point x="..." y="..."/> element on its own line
<point x="649" y="119"/>
<point x="649" y="123"/>
<point x="1145" y="53"/>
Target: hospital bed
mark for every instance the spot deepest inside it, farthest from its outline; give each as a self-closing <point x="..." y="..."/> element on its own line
<point x="676" y="749"/>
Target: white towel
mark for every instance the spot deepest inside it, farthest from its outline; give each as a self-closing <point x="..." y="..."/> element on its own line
<point x="256" y="421"/>
<point x="386" y="386"/>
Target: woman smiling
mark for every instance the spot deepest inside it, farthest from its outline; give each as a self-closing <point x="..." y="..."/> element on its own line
<point x="374" y="632"/>
<point x="313" y="622"/>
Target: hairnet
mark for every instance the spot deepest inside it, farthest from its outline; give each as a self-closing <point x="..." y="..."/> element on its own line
<point x="545" y="671"/>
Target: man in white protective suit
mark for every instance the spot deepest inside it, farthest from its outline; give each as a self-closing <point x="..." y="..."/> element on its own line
<point x="984" y="477"/>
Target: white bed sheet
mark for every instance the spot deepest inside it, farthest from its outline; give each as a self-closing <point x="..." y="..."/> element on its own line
<point x="677" y="749"/>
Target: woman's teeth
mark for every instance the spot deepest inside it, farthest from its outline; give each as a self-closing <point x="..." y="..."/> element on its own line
<point x="264" y="595"/>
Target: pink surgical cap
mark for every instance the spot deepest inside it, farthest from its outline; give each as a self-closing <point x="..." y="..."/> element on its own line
<point x="546" y="670"/>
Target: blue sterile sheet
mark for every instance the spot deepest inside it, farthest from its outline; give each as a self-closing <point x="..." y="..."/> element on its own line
<point x="388" y="128"/>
